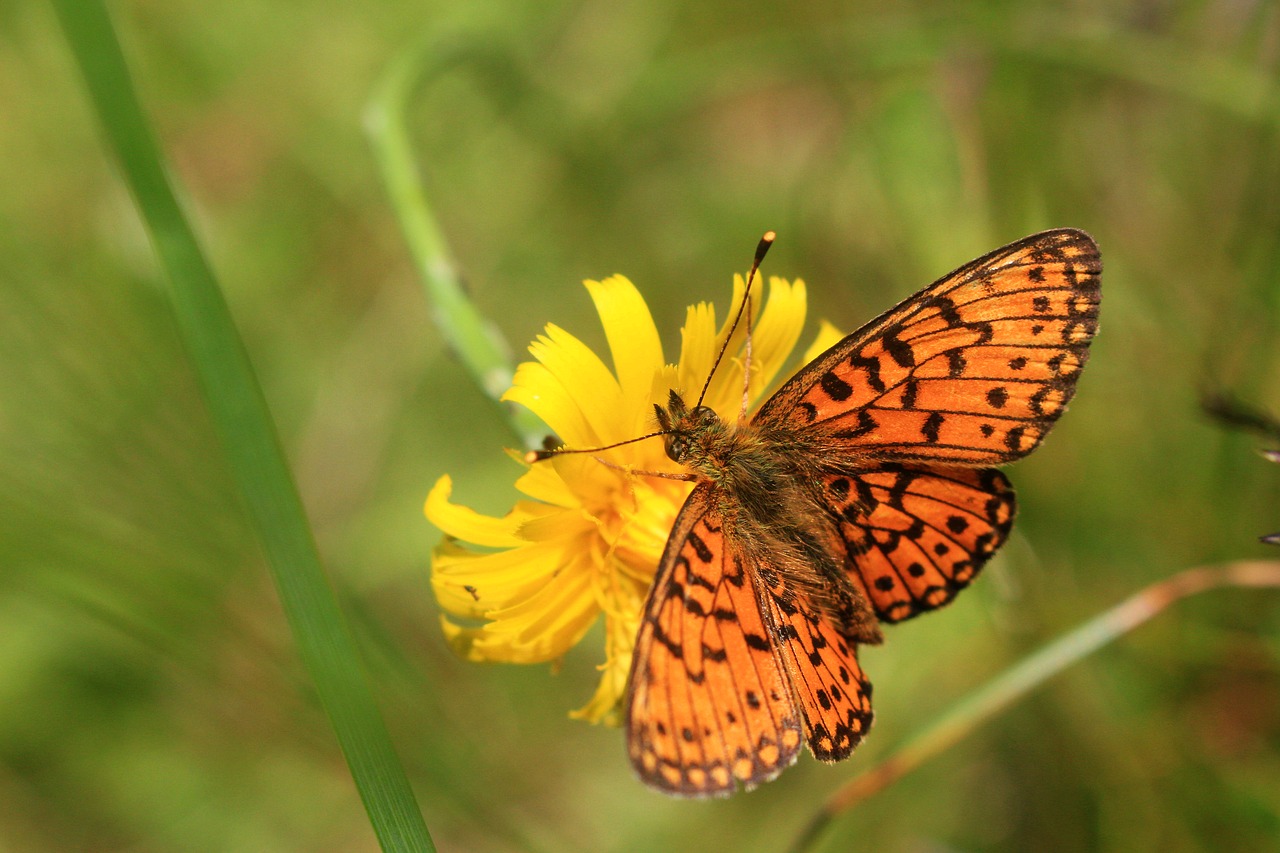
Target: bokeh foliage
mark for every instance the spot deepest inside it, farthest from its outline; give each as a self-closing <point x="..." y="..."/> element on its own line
<point x="150" y="697"/>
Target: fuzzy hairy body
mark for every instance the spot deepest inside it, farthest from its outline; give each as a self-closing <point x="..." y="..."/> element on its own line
<point x="766" y="481"/>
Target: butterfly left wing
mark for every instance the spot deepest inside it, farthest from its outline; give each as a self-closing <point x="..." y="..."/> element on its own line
<point x="732" y="668"/>
<point x="972" y="370"/>
<point x="708" y="706"/>
<point x="917" y="535"/>
<point x="826" y="682"/>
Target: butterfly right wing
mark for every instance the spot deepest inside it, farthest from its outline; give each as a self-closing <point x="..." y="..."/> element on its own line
<point x="708" y="707"/>
<point x="972" y="370"/>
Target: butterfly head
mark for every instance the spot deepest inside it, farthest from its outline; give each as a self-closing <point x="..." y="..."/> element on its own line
<point x="692" y="434"/>
<point x="685" y="430"/>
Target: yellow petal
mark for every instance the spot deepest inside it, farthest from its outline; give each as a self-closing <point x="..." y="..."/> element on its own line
<point x="558" y="526"/>
<point x="642" y="539"/>
<point x="633" y="340"/>
<point x="781" y="323"/>
<point x="543" y="393"/>
<point x="605" y="706"/>
<point x="474" y="584"/>
<point x="588" y="382"/>
<point x="698" y="347"/>
<point x="468" y="525"/>
<point x="724" y="390"/>
<point x="542" y="483"/>
<point x="623" y="602"/>
<point x="543" y="626"/>
<point x="775" y="330"/>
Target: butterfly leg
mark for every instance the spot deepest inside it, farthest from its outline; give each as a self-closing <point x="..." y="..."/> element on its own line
<point x="632" y="472"/>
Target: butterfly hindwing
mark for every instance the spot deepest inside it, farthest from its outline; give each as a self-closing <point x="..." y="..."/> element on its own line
<point x="827" y="683"/>
<point x="709" y="708"/>
<point x="917" y="535"/>
<point x="974" y="369"/>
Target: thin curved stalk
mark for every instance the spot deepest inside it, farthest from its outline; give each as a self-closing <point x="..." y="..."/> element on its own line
<point x="475" y="339"/>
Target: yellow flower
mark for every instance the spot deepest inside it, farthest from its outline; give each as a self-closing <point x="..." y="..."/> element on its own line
<point x="588" y="539"/>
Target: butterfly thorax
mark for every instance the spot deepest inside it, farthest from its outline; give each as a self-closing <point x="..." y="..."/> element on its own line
<point x="745" y="459"/>
<point x="766" y="481"/>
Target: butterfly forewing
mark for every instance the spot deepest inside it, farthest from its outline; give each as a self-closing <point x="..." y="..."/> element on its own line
<point x="972" y="370"/>
<point x="916" y="536"/>
<point x="710" y="708"/>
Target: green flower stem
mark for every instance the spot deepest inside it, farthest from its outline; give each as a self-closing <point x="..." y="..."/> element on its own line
<point x="476" y="340"/>
<point x="1017" y="681"/>
<point x="240" y="414"/>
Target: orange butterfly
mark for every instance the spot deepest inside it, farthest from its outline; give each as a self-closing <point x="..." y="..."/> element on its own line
<point x="858" y="494"/>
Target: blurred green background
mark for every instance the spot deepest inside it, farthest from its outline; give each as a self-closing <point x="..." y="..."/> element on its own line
<point x="150" y="695"/>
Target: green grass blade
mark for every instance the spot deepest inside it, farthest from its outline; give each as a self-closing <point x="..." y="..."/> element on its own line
<point x="240" y="414"/>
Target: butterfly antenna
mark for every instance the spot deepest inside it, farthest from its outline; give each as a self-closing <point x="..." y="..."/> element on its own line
<point x="538" y="455"/>
<point x="761" y="250"/>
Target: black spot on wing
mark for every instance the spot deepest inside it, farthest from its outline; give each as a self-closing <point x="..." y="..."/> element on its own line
<point x="699" y="547"/>
<point x="871" y="366"/>
<point x="931" y="427"/>
<point x="835" y="387"/>
<point x="899" y="350"/>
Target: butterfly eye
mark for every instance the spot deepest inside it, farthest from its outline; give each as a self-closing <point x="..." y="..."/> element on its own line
<point x="704" y="415"/>
<point x="676" y="448"/>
